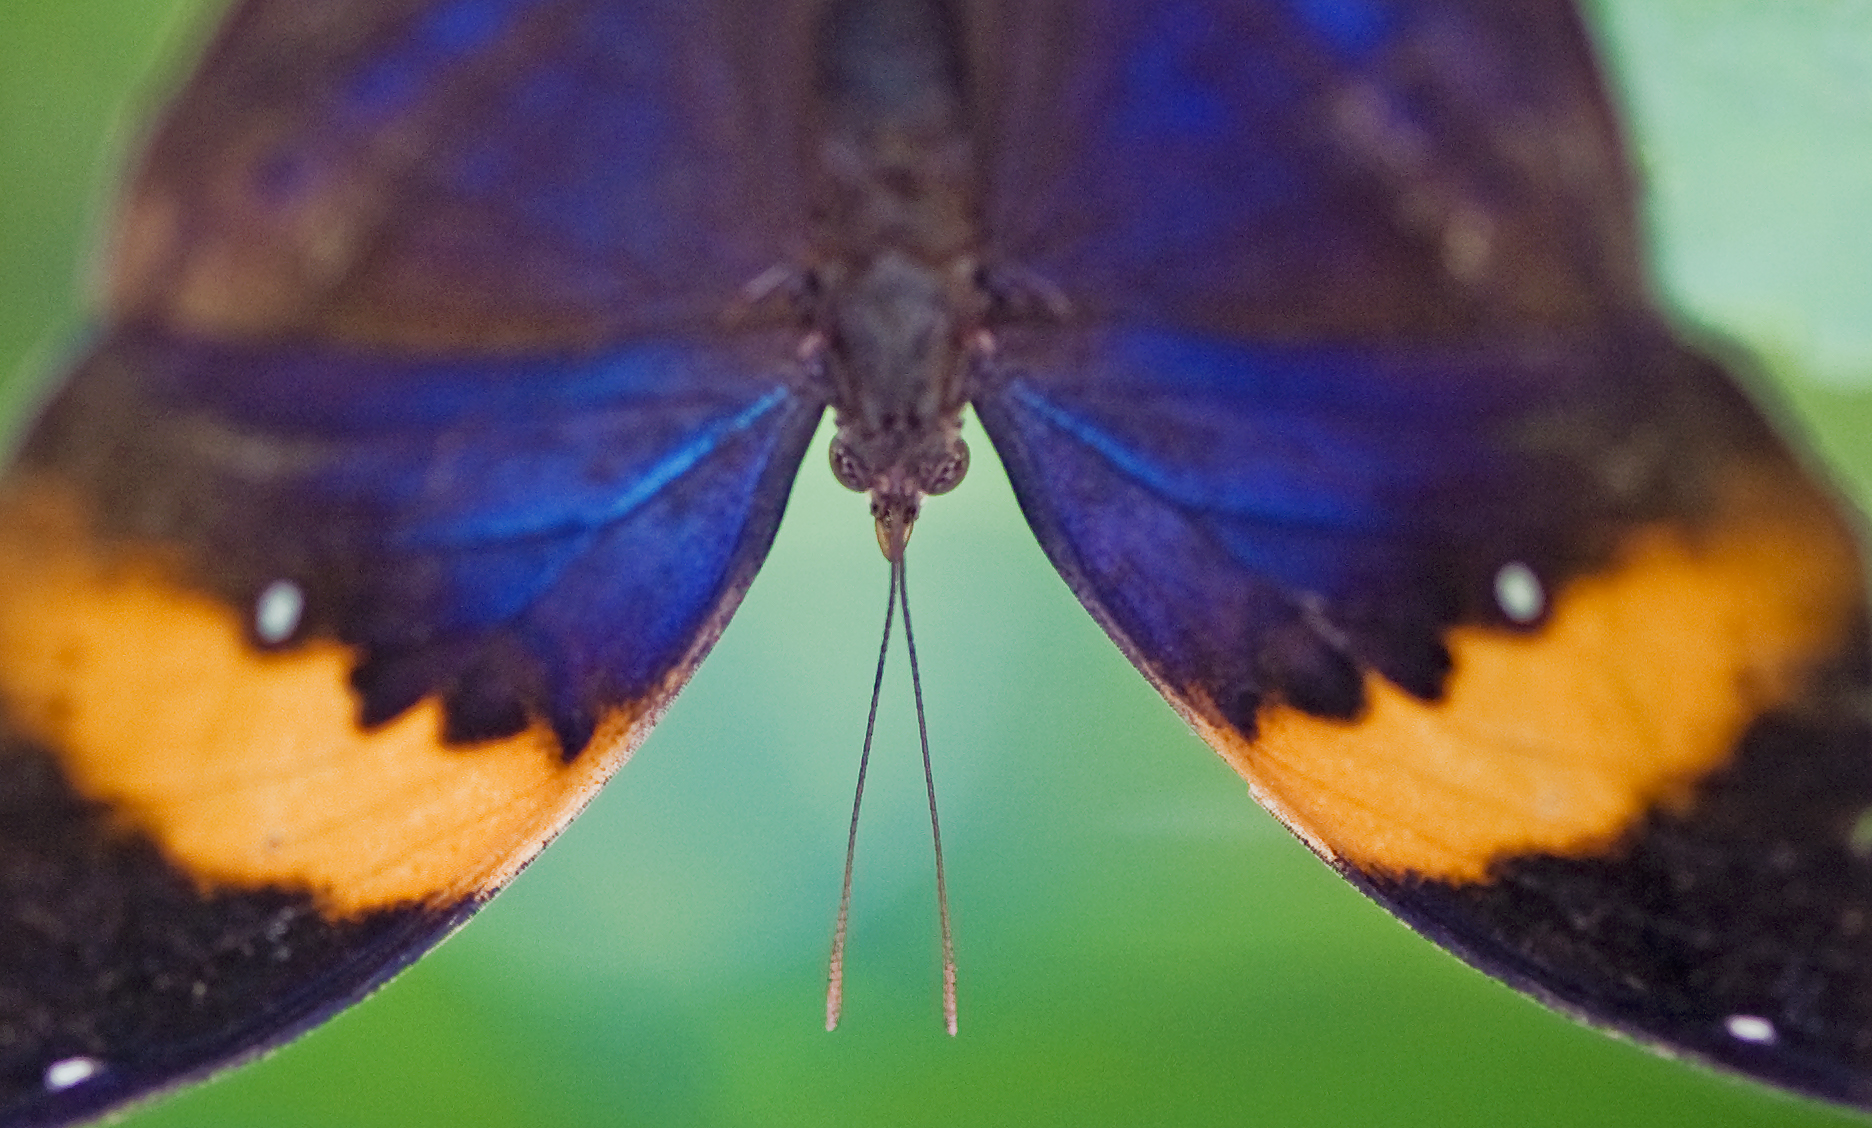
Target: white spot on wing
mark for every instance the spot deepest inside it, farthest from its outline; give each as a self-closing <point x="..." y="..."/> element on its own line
<point x="1750" y="1028"/>
<point x="278" y="610"/>
<point x="1518" y="592"/>
<point x="68" y="1072"/>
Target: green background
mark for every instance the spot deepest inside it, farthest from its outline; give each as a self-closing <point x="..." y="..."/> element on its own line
<point x="1139" y="944"/>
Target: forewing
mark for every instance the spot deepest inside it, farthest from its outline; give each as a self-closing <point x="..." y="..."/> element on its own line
<point x="489" y="173"/>
<point x="1300" y="170"/>
<point x="430" y="445"/>
<point x="1348" y="418"/>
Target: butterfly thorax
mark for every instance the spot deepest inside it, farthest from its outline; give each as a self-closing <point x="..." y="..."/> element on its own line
<point x="895" y="303"/>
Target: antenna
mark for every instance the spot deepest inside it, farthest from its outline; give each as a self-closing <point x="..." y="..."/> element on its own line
<point x="835" y="986"/>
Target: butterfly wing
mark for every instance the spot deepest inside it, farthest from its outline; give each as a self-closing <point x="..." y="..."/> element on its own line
<point x="453" y="173"/>
<point x="1354" y="428"/>
<point x="379" y="527"/>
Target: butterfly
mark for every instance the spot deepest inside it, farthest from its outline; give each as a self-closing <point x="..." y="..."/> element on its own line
<point x="460" y="354"/>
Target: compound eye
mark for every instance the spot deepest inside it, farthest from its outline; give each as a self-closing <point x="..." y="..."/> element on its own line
<point x="847" y="469"/>
<point x="948" y="474"/>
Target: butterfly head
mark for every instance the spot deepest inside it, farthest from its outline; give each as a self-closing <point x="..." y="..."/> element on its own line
<point x="933" y="463"/>
<point x="894" y="329"/>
